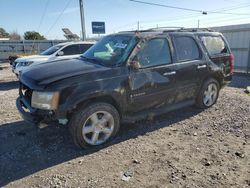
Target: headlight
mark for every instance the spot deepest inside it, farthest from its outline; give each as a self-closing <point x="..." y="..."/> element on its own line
<point x="27" y="63"/>
<point x="45" y="100"/>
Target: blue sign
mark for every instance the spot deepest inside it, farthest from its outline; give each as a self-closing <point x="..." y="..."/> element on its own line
<point x="98" y="27"/>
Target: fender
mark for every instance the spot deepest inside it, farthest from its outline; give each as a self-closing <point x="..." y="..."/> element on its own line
<point x="113" y="87"/>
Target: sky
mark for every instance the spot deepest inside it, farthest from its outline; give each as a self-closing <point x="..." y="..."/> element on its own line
<point x="49" y="16"/>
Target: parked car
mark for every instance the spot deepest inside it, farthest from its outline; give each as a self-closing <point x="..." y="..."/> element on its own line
<point x="126" y="77"/>
<point x="60" y="51"/>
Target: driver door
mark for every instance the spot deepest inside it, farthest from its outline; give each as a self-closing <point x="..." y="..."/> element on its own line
<point x="153" y="84"/>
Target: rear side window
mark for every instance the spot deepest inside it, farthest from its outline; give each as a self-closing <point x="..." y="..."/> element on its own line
<point x="215" y="45"/>
<point x="84" y="47"/>
<point x="71" y="50"/>
<point x="186" y="48"/>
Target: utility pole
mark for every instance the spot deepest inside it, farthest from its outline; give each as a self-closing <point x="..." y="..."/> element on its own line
<point x="82" y="20"/>
<point x="138" y="26"/>
<point x="198" y="23"/>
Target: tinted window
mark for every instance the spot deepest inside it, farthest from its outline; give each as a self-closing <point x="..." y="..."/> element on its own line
<point x="51" y="50"/>
<point x="84" y="47"/>
<point x="214" y="44"/>
<point x="186" y="48"/>
<point x="71" y="50"/>
<point x="155" y="52"/>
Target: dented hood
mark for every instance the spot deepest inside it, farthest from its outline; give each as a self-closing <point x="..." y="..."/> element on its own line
<point x="47" y="73"/>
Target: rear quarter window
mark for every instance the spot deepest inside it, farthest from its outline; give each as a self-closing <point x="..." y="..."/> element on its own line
<point x="215" y="45"/>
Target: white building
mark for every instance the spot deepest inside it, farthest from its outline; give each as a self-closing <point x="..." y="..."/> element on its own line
<point x="238" y="37"/>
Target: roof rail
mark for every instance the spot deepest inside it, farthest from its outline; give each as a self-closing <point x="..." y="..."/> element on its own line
<point x="172" y="29"/>
<point x="196" y="29"/>
<point x="167" y="28"/>
<point x="160" y="29"/>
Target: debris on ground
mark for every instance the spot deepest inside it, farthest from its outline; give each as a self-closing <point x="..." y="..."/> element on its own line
<point x="239" y="154"/>
<point x="127" y="175"/>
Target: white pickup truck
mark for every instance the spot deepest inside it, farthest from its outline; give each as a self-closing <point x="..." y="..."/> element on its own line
<point x="60" y="51"/>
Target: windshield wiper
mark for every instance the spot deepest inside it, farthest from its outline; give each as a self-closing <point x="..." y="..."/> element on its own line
<point x="94" y="60"/>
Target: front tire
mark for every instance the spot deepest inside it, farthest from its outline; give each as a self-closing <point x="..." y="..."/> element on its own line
<point x="94" y="125"/>
<point x="208" y="94"/>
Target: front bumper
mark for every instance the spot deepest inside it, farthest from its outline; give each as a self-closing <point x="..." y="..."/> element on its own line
<point x="26" y="111"/>
<point x="32" y="115"/>
<point x="18" y="69"/>
<point x="35" y="116"/>
<point x="17" y="72"/>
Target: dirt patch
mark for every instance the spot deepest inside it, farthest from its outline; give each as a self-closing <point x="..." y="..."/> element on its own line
<point x="185" y="148"/>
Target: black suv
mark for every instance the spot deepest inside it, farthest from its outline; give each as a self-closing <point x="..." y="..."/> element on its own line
<point x="125" y="77"/>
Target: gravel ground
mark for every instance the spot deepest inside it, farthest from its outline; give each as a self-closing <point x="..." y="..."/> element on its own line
<point x="185" y="148"/>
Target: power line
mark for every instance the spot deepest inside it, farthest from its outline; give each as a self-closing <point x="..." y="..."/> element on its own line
<point x="43" y="15"/>
<point x="188" y="16"/>
<point x="40" y="23"/>
<point x="66" y="6"/>
<point x="167" y="6"/>
<point x="186" y="9"/>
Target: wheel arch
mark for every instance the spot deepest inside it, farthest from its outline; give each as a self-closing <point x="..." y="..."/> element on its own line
<point x="216" y="76"/>
<point x="103" y="98"/>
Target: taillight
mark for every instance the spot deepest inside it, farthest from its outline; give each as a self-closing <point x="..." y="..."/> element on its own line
<point x="231" y="61"/>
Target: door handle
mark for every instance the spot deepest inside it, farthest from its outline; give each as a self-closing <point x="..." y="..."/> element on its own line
<point x="201" y="66"/>
<point x="169" y="73"/>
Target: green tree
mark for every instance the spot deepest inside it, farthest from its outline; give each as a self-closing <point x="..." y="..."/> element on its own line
<point x="33" y="35"/>
<point x="3" y="33"/>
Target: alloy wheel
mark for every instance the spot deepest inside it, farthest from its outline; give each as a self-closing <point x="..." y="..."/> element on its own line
<point x="210" y="94"/>
<point x="98" y="128"/>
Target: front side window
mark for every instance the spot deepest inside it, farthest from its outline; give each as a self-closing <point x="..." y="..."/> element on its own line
<point x="71" y="50"/>
<point x="186" y="48"/>
<point x="111" y="50"/>
<point x="51" y="50"/>
<point x="215" y="45"/>
<point x="155" y="52"/>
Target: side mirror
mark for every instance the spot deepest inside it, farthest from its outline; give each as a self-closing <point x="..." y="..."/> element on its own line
<point x="60" y="53"/>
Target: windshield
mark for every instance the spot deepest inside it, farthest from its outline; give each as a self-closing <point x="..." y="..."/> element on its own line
<point x="51" y="50"/>
<point x="111" y="50"/>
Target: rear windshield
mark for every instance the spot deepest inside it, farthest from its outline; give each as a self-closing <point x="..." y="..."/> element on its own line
<point x="215" y="45"/>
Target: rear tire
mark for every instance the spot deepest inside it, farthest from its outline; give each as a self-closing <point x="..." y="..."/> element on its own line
<point x="94" y="125"/>
<point x="208" y="94"/>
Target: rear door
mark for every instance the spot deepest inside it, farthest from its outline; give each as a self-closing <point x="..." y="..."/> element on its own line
<point x="190" y="63"/>
<point x="153" y="85"/>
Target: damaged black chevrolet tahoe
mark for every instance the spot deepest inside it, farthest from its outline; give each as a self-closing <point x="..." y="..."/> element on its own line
<point x="126" y="77"/>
